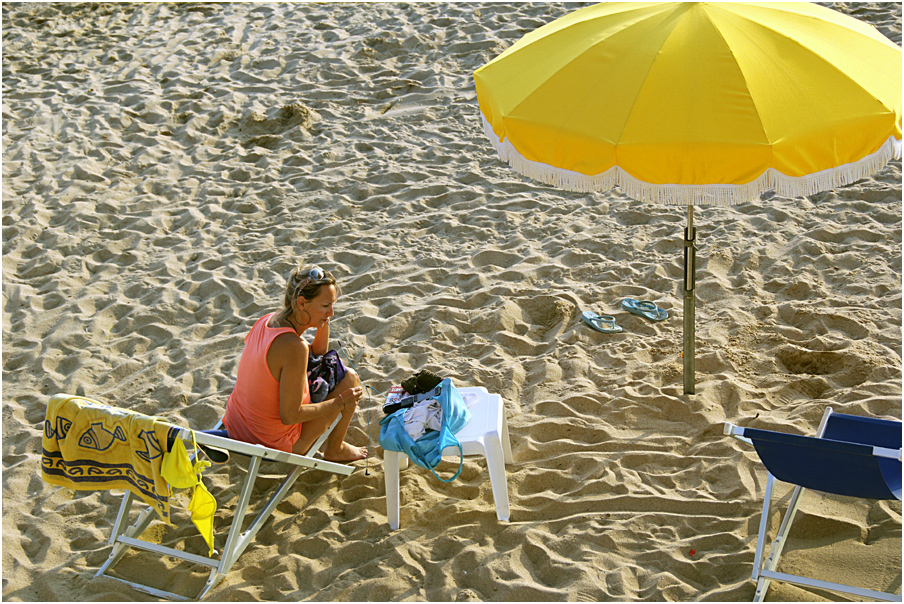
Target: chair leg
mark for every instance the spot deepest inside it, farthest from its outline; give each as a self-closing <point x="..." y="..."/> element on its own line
<point x="764" y="527"/>
<point x="506" y="442"/>
<point x="391" y="476"/>
<point x="775" y="550"/>
<point x="762" y="585"/>
<point x="141" y="523"/>
<point x="248" y="536"/>
<point x="236" y="543"/>
<point x="495" y="456"/>
<point x="122" y="517"/>
<point x="212" y="581"/>
<point x="229" y="555"/>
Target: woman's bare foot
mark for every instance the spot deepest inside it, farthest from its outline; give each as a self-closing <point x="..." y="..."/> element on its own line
<point x="345" y="453"/>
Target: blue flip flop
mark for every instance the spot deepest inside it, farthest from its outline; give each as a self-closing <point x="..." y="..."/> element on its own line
<point x="647" y="310"/>
<point x="602" y="323"/>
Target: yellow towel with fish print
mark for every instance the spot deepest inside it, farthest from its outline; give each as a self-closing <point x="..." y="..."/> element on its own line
<point x="90" y="446"/>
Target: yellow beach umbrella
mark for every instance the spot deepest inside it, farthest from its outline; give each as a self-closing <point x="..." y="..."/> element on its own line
<point x="696" y="103"/>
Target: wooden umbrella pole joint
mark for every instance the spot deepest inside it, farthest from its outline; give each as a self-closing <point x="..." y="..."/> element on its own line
<point x="690" y="249"/>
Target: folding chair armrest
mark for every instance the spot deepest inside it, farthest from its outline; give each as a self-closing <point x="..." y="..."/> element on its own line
<point x="736" y="433"/>
<point x="890" y="453"/>
<point x="263" y="452"/>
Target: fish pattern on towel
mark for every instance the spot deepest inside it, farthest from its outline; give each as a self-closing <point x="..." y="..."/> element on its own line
<point x="88" y="446"/>
<point x="99" y="438"/>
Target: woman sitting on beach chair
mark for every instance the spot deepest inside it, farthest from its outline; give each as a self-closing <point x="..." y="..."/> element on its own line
<point x="271" y="403"/>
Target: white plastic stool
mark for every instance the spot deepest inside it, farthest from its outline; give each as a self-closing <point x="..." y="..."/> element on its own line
<point x="486" y="434"/>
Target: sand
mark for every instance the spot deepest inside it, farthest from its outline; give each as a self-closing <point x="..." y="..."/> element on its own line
<point x="165" y="166"/>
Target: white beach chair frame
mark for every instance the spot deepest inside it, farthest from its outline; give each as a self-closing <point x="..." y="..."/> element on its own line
<point x="764" y="571"/>
<point x="123" y="538"/>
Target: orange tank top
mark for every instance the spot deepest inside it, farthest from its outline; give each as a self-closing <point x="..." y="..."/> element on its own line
<point x="252" y="411"/>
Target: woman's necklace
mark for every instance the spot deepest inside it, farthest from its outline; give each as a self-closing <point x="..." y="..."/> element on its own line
<point x="292" y="323"/>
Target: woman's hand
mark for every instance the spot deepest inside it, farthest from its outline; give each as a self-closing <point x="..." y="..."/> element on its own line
<point x="350" y="396"/>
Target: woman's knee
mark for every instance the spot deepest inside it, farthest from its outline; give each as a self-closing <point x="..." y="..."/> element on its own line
<point x="351" y="380"/>
<point x="352" y="376"/>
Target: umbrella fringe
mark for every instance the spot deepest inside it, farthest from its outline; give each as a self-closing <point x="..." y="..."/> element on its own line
<point x="725" y="195"/>
<point x="698" y="195"/>
<point x="788" y="186"/>
<point x="558" y="177"/>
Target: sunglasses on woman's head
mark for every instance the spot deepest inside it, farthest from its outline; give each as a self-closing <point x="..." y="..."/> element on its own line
<point x="315" y="274"/>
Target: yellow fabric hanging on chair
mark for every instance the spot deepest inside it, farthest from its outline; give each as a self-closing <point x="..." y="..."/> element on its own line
<point x="179" y="472"/>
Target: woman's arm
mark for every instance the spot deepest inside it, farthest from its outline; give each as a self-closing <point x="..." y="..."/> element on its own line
<point x="321" y="344"/>
<point x="289" y="356"/>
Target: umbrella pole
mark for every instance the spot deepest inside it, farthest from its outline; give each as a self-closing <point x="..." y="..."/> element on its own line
<point x="690" y="263"/>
